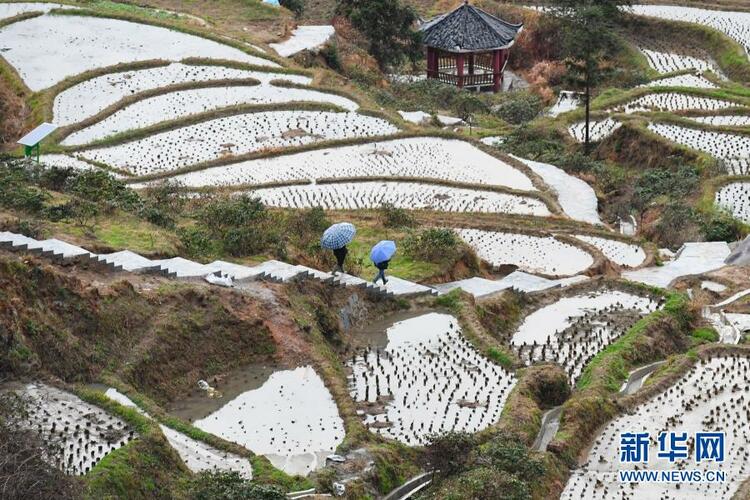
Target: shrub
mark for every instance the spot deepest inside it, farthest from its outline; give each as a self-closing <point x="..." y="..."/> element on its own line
<point x="395" y="217"/>
<point x="196" y="242"/>
<point x="243" y="241"/>
<point x="719" y="225"/>
<point x="660" y="182"/>
<point x="540" y="143"/>
<point x="55" y="178"/>
<point x="83" y="213"/>
<point x="224" y="213"/>
<point x="296" y="6"/>
<point x="519" y="107"/>
<point x="675" y="225"/>
<point x="433" y="245"/>
<point x="56" y="213"/>
<point x="450" y="452"/>
<point x="387" y="26"/>
<point x="330" y="54"/>
<point x="487" y="483"/>
<point x="30" y="228"/>
<point x="161" y="203"/>
<point x="509" y="454"/>
<point x="230" y="486"/>
<point x="501" y="468"/>
<point x="100" y="188"/>
<point x="306" y="227"/>
<point x="15" y="191"/>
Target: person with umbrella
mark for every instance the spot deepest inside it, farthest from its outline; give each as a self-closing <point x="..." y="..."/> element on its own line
<point x="336" y="238"/>
<point x="381" y="255"/>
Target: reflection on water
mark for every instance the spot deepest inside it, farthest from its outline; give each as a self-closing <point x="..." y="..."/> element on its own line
<point x="287" y="416"/>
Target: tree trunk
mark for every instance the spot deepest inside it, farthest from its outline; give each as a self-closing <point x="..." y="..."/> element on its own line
<point x="588" y="110"/>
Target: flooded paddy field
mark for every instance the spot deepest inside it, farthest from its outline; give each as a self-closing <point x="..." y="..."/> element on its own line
<point x="286" y="415"/>
<point x="572" y="330"/>
<point x="711" y="397"/>
<point x="78" y="434"/>
<point x="423" y="377"/>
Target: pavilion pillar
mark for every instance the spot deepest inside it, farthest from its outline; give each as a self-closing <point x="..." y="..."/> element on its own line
<point x="430" y="62"/>
<point x="471" y="64"/>
<point x="460" y="70"/>
<point x="497" y="78"/>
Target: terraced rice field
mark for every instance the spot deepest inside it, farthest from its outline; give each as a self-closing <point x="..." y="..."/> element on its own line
<point x="598" y="129"/>
<point x="688" y="81"/>
<point x="183" y="103"/>
<point x="534" y="254"/>
<point x="735" y="25"/>
<point x="418" y="157"/>
<point x="572" y="330"/>
<point x="88" y="98"/>
<point x="80" y="433"/>
<point x="668" y="55"/>
<point x="673" y="101"/>
<point x="75" y="44"/>
<point x="724" y="120"/>
<point x="304" y="38"/>
<point x="621" y="253"/>
<point x="669" y="62"/>
<point x="236" y="135"/>
<point x="577" y="199"/>
<point x="732" y="149"/>
<point x="427" y="379"/>
<point x="291" y="419"/>
<point x="735" y="198"/>
<point x="691" y="259"/>
<point x="709" y="398"/>
<point x="409" y="195"/>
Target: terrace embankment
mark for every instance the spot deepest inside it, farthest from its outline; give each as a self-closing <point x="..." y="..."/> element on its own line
<point x="158" y="336"/>
<point x="13" y="112"/>
<point x="629" y="146"/>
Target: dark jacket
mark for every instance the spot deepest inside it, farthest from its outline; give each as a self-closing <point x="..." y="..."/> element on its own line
<point x="383" y="265"/>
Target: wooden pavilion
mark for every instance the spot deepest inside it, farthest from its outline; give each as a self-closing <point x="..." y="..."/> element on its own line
<point x="468" y="47"/>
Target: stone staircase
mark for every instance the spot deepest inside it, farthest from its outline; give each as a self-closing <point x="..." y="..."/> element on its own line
<point x="182" y="269"/>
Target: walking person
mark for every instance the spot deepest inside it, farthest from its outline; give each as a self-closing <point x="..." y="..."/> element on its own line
<point x="381" y="255"/>
<point x="336" y="238"/>
<point x="382" y="266"/>
<point x="340" y="254"/>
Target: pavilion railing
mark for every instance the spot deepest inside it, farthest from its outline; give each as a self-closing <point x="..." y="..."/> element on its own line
<point x="475" y="80"/>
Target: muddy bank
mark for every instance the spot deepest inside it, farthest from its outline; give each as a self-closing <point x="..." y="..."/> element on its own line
<point x="161" y="340"/>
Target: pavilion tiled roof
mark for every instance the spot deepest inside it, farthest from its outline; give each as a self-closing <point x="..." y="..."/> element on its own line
<point x="469" y="29"/>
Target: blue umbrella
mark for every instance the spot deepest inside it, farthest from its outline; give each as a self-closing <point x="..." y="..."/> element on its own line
<point x="382" y="251"/>
<point x="338" y="236"/>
